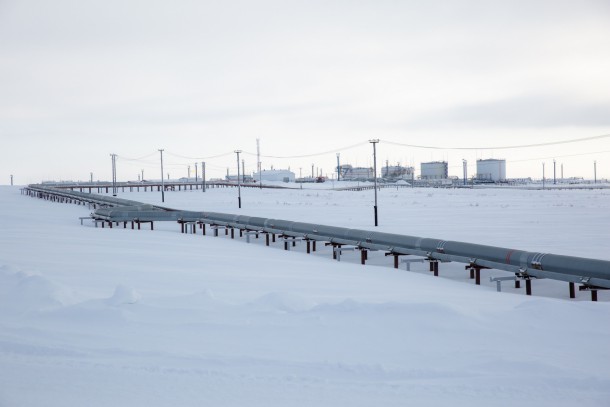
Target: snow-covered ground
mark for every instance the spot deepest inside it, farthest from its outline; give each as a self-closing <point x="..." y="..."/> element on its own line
<point x="102" y="317"/>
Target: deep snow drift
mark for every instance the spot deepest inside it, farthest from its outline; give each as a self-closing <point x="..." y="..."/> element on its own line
<point x="115" y="316"/>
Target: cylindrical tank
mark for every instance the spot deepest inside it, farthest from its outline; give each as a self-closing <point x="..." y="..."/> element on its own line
<point x="434" y="170"/>
<point x="491" y="170"/>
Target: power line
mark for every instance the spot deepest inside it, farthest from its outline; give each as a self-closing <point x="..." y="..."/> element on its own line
<point x="200" y="158"/>
<point x="550" y="143"/>
<point x="145" y="162"/>
<point x="559" y="156"/>
<point x="312" y="154"/>
<point x="575" y="140"/>
<point x="545" y="158"/>
<point x="137" y="159"/>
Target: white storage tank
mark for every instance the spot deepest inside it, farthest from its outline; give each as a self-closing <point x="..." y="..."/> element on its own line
<point x="274" y="175"/>
<point x="434" y="170"/>
<point x="491" y="170"/>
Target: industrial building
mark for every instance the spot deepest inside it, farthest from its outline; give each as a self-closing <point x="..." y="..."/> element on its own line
<point x="397" y="172"/>
<point x="275" y="175"/>
<point x="434" y="170"/>
<point x="349" y="173"/>
<point x="491" y="170"/>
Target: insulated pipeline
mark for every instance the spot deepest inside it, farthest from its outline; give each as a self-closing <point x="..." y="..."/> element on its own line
<point x="591" y="272"/>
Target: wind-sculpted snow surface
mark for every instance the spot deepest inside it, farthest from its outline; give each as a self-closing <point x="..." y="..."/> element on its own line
<point x="102" y="317"/>
<point x="22" y="292"/>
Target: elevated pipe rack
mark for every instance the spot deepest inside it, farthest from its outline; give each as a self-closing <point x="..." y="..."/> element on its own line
<point x="592" y="274"/>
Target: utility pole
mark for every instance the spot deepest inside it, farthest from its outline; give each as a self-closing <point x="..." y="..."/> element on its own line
<point x="542" y="175"/>
<point x="11" y="179"/>
<point x="338" y="168"/>
<point x="243" y="171"/>
<point x="387" y="169"/>
<point x="238" y="181"/>
<point x="188" y="176"/>
<point x="258" y="163"/>
<point x="90" y="178"/>
<point x="142" y="170"/>
<point x="562" y="172"/>
<point x="312" y="176"/>
<point x="162" y="183"/>
<point x="412" y="177"/>
<point x="595" y="172"/>
<point x="554" y="177"/>
<point x="465" y="164"/>
<point x="203" y="176"/>
<point x="196" y="179"/>
<point x="114" y="189"/>
<point x="374" y="143"/>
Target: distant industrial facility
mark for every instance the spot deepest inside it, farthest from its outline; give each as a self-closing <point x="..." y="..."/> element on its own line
<point x="434" y="170"/>
<point x="275" y="175"/>
<point x="491" y="170"/>
<point x="397" y="172"/>
<point x="349" y="173"/>
<point x="433" y="173"/>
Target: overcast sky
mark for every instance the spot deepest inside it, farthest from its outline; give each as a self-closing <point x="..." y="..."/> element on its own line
<point x="80" y="80"/>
